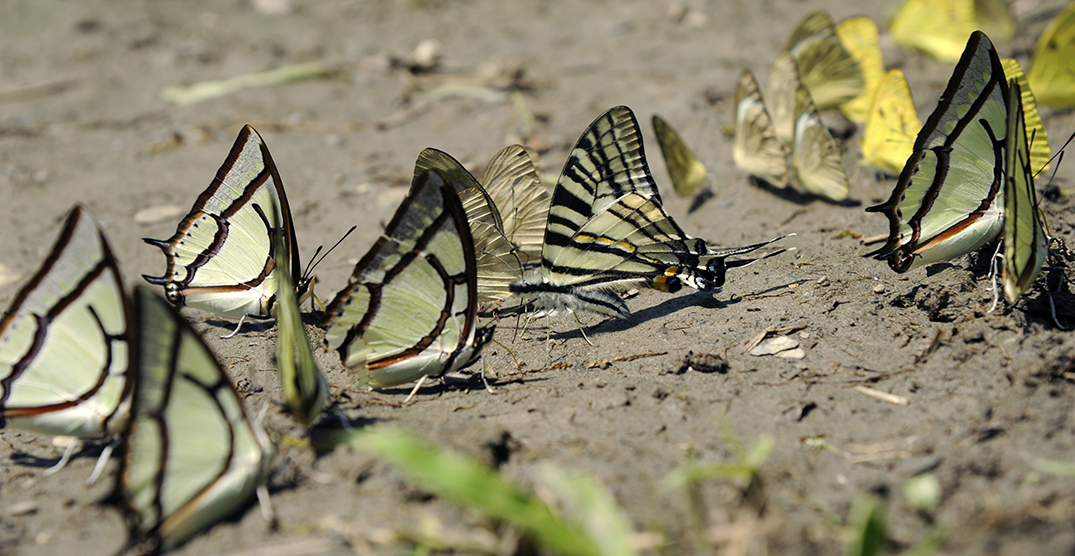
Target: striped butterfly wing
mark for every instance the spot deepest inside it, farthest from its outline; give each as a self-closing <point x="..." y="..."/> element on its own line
<point x="607" y="229"/>
<point x="221" y="259"/>
<point x="1052" y="69"/>
<point x="305" y="389"/>
<point x="513" y="183"/>
<point x="892" y="125"/>
<point x="757" y="149"/>
<point x="815" y="158"/>
<point x="1026" y="244"/>
<point x="497" y="262"/>
<point x="826" y="67"/>
<point x="63" y="342"/>
<point x="686" y="171"/>
<point x="410" y="307"/>
<point x="948" y="200"/>
<point x="191" y="456"/>
<point x="781" y="97"/>
<point x="1039" y="151"/>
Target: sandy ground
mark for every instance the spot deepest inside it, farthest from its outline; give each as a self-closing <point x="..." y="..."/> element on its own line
<point x="989" y="395"/>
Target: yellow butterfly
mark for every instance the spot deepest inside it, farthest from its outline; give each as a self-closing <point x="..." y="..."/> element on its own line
<point x="831" y="74"/>
<point x="1052" y="69"/>
<point x="1039" y="148"/>
<point x="687" y="172"/>
<point x="859" y="36"/>
<point x="940" y="27"/>
<point x="892" y="124"/>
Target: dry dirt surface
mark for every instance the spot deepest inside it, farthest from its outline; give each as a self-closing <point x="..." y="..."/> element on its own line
<point x="983" y="399"/>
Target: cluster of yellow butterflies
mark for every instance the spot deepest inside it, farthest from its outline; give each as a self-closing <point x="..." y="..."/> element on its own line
<point x="840" y="65"/>
<point x="79" y="358"/>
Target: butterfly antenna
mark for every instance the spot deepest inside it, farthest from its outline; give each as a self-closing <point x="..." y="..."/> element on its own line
<point x="314" y="261"/>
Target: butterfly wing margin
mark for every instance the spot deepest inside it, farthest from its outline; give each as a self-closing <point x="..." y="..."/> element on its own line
<point x="962" y="140"/>
<point x="1025" y="242"/>
<point x="410" y="307"/>
<point x="191" y="456"/>
<point x="498" y="264"/>
<point x="220" y="258"/>
<point x="64" y="347"/>
<point x="513" y="183"/>
<point x="757" y="149"/>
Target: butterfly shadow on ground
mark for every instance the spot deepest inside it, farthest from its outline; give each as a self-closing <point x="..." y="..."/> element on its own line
<point x="89" y="448"/>
<point x="792" y="195"/>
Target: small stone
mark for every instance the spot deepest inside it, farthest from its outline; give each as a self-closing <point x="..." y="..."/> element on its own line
<point x="159" y="213"/>
<point x="879" y="288"/>
<point x="777" y="344"/>
<point x="823" y="281"/>
<point x="796" y="353"/>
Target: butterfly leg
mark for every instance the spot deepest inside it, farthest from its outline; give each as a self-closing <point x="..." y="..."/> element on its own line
<point x="581" y="329"/>
<point x="265" y="503"/>
<point x="99" y="468"/>
<point x="72" y="446"/>
<point x="484" y="381"/>
<point x="993" y="264"/>
<point x="415" y="390"/>
<point x="236" y="331"/>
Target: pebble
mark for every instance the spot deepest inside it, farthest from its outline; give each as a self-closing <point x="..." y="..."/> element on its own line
<point x="774" y="345"/>
<point x="879" y="288"/>
<point x="158" y="213"/>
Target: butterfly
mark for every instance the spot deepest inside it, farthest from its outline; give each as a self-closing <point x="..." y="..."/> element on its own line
<point x="191" y="455"/>
<point x="940" y="27"/>
<point x="828" y="70"/>
<point x="498" y="263"/>
<point x="607" y="230"/>
<point x="305" y="389"/>
<point x="687" y="172"/>
<point x="513" y="184"/>
<point x="1026" y="243"/>
<point x="860" y="37"/>
<point x="64" y="341"/>
<point x="1039" y="149"/>
<point x="797" y="124"/>
<point x="948" y="200"/>
<point x="892" y="124"/>
<point x="814" y="155"/>
<point x="757" y="149"/>
<point x="221" y="258"/>
<point x="1052" y="68"/>
<point x="410" y="308"/>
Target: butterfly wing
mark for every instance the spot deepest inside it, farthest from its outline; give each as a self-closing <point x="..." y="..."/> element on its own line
<point x="781" y="97"/>
<point x="305" y="390"/>
<point x="1025" y="242"/>
<point x="815" y="158"/>
<point x="1052" y="69"/>
<point x="63" y="341"/>
<point x="498" y="264"/>
<point x="1039" y="147"/>
<point x="859" y="36"/>
<point x="945" y="202"/>
<point x="220" y="259"/>
<point x="892" y="125"/>
<point x="937" y="27"/>
<point x="827" y="69"/>
<point x="410" y="307"/>
<point x="513" y="183"/>
<point x="757" y="149"/>
<point x="191" y="456"/>
<point x="687" y="172"/>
